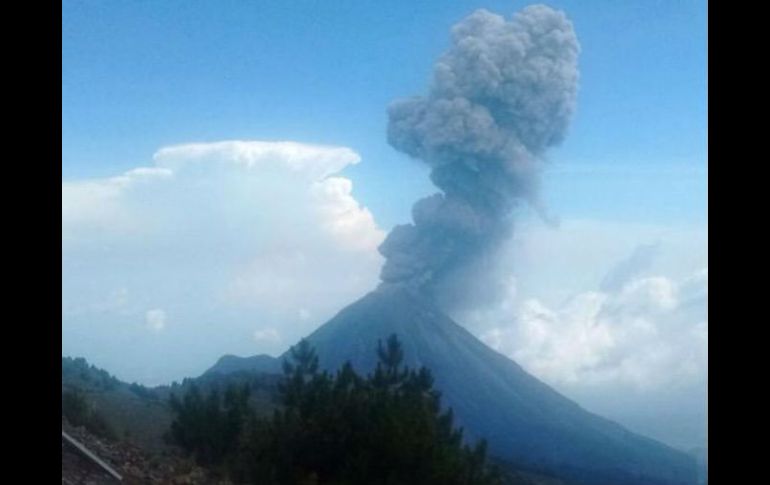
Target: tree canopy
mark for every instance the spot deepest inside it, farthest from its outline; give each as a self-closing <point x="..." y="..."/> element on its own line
<point x="334" y="428"/>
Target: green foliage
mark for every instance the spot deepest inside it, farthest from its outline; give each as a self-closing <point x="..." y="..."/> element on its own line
<point x="79" y="412"/>
<point x="342" y="428"/>
<point x="78" y="371"/>
<point x="142" y="392"/>
<point x="209" y="428"/>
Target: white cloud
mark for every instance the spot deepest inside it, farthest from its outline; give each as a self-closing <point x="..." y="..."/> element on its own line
<point x="155" y="319"/>
<point x="341" y="215"/>
<point x="313" y="162"/>
<point x="649" y="334"/>
<point x="91" y="206"/>
<point x="270" y="335"/>
<point x="229" y="233"/>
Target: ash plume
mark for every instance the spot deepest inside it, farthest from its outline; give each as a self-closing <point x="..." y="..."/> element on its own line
<point x="500" y="96"/>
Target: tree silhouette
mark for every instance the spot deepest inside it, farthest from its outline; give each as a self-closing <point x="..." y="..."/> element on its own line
<point x="387" y="428"/>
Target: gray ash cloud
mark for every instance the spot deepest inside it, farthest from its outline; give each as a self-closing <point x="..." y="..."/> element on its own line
<point x="500" y="97"/>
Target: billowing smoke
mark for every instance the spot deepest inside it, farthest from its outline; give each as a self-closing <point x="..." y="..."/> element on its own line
<point x="503" y="93"/>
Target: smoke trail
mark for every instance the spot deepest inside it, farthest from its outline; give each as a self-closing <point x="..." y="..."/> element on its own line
<point x="503" y="93"/>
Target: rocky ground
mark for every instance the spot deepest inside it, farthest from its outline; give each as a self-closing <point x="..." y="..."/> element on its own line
<point x="134" y="464"/>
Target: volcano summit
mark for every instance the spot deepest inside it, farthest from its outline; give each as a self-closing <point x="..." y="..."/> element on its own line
<point x="502" y="95"/>
<point x="525" y="422"/>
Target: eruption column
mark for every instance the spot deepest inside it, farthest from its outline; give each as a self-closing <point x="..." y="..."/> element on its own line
<point x="500" y="96"/>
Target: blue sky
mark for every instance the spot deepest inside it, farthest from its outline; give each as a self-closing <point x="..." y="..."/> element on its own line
<point x="141" y="75"/>
<point x="167" y="268"/>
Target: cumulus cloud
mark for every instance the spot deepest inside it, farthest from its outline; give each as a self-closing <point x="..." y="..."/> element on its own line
<point x="90" y="206"/>
<point x="155" y="320"/>
<point x="342" y="216"/>
<point x="267" y="335"/>
<point x="312" y="162"/>
<point x="242" y="232"/>
<point x="637" y="354"/>
<point x="648" y="334"/>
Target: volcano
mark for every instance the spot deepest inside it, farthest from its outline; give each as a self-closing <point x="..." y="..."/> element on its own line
<point x="525" y="422"/>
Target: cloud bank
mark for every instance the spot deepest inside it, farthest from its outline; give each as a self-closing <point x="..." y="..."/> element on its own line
<point x="649" y="334"/>
<point x="646" y="331"/>
<point x="262" y="239"/>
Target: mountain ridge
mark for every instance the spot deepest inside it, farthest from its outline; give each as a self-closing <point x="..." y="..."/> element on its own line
<point x="230" y="363"/>
<point x="523" y="419"/>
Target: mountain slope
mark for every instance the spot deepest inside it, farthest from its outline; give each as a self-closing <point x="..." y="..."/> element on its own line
<point x="142" y="415"/>
<point x="524" y="420"/>
<point x="228" y="364"/>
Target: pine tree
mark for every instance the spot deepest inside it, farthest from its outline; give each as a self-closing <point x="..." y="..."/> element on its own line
<point x="387" y="428"/>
